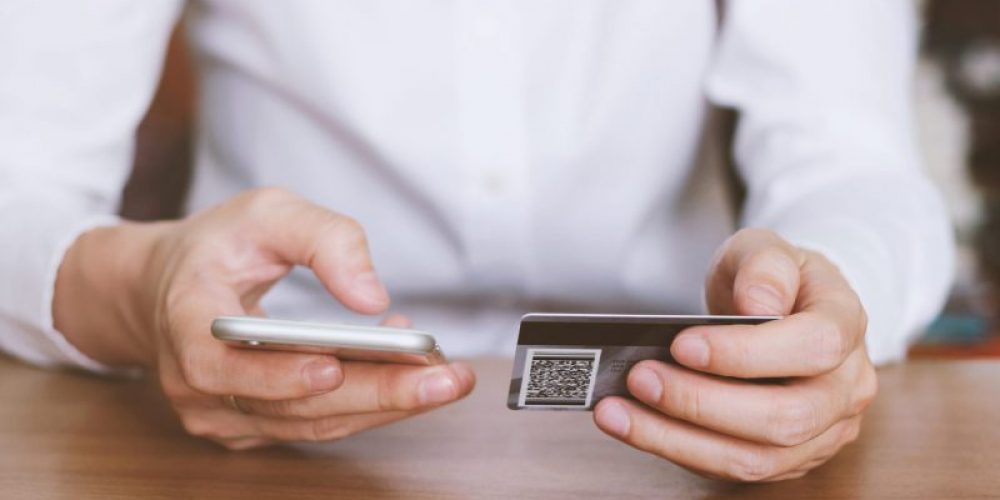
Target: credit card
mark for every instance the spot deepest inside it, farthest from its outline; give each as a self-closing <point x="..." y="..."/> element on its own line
<point x="571" y="361"/>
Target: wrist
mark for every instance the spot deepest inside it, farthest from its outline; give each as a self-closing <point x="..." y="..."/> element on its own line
<point x="103" y="289"/>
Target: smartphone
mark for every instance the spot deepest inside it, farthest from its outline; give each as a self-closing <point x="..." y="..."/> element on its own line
<point x="348" y="342"/>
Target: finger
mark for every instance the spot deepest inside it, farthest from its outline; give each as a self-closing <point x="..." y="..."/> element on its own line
<point x="780" y="415"/>
<point x="756" y="273"/>
<point x="247" y="443"/>
<point x="376" y="387"/>
<point x="397" y="321"/>
<point x="334" y="246"/>
<point x="709" y="452"/>
<point x="328" y="428"/>
<point x="212" y="367"/>
<point x="221" y="370"/>
<point x="804" y="344"/>
<point x="236" y="430"/>
<point x="829" y="326"/>
<point x="219" y="424"/>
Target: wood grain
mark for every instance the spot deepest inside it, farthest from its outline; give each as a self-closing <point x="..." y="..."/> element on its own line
<point x="934" y="432"/>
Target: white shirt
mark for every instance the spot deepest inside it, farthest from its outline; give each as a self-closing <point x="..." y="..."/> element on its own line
<point x="503" y="156"/>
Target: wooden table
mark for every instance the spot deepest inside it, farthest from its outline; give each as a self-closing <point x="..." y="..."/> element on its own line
<point x="934" y="432"/>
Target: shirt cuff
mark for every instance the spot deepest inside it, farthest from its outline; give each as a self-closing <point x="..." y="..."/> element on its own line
<point x="27" y="329"/>
<point x="67" y="353"/>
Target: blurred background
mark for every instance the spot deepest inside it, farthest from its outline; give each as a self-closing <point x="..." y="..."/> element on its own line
<point x="957" y="102"/>
<point x="957" y="92"/>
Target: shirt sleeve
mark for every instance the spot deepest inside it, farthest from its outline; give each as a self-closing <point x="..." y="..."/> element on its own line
<point x="77" y="78"/>
<point x="825" y="147"/>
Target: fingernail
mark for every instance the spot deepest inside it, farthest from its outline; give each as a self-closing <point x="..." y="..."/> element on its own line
<point x="614" y="419"/>
<point x="436" y="389"/>
<point x="645" y="384"/>
<point x="322" y="376"/>
<point x="766" y="298"/>
<point x="691" y="350"/>
<point x="371" y="288"/>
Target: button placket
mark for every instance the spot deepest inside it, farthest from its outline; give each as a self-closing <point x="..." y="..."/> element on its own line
<point x="493" y="146"/>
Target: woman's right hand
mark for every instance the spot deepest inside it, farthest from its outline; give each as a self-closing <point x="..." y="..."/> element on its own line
<point x="146" y="294"/>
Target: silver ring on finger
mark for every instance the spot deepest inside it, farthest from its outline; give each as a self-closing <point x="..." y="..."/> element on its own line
<point x="234" y="403"/>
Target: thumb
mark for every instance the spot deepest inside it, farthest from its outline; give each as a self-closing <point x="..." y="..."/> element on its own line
<point x="757" y="273"/>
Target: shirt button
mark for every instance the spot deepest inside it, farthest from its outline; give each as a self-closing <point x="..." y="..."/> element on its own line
<point x="494" y="183"/>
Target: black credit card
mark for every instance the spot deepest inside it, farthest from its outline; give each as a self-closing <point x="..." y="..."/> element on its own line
<point x="571" y="361"/>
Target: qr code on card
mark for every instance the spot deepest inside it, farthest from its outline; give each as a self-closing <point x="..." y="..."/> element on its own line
<point x="559" y="378"/>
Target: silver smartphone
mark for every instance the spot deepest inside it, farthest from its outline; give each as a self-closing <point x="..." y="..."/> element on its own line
<point x="358" y="343"/>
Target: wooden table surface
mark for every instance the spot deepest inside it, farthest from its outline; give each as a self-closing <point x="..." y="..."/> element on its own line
<point x="934" y="432"/>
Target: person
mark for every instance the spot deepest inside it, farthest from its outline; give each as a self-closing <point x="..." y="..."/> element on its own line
<point x="487" y="159"/>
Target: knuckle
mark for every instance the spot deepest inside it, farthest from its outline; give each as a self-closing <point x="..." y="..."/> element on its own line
<point x="653" y="438"/>
<point x="341" y="231"/>
<point x="862" y="315"/>
<point x="265" y="197"/>
<point x="733" y="242"/>
<point x="830" y="345"/>
<point x="261" y="202"/>
<point x="719" y="257"/>
<point x="867" y="390"/>
<point x="751" y="466"/>
<point x="773" y="261"/>
<point x="792" y="423"/>
<point x="347" y="229"/>
<point x="685" y="399"/>
<point x="852" y="432"/>
<point x="871" y="386"/>
<point x="326" y="429"/>
<point x="795" y="475"/>
<point x="742" y="355"/>
<point x="301" y="409"/>
<point x="234" y="445"/>
<point x="771" y="267"/>
<point x="752" y="233"/>
<point x="174" y="389"/>
<point x="242" y="444"/>
<point x="169" y="302"/>
<point x="347" y="225"/>
<point x="198" y="425"/>
<point x="195" y="376"/>
<point x="282" y="408"/>
<point x="387" y="398"/>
